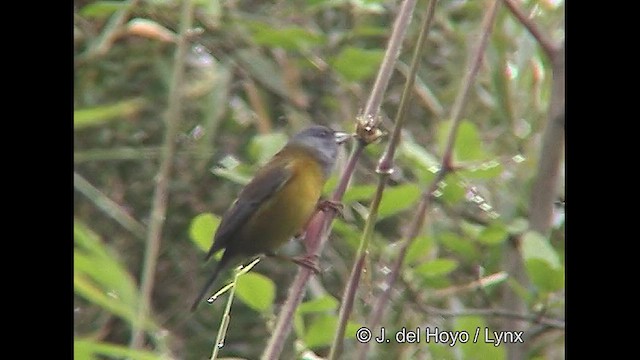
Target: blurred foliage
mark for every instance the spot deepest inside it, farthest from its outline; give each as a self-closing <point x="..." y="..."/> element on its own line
<point x="258" y="72"/>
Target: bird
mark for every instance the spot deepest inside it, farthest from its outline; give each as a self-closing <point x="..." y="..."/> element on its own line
<point x="278" y="202"/>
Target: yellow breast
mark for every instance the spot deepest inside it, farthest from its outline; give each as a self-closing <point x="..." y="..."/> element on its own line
<point x="288" y="211"/>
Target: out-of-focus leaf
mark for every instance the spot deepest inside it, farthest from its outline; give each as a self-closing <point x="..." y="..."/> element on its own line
<point x="98" y="115"/>
<point x="202" y="229"/>
<point x="90" y="349"/>
<point x="288" y="38"/>
<point x="263" y="146"/>
<point x="518" y="226"/>
<point x="542" y="262"/>
<point x="461" y="246"/>
<point x="349" y="233"/>
<point x="480" y="347"/>
<point x="468" y="146"/>
<point x="419" y="248"/>
<point x="101" y="9"/>
<point x="453" y="190"/>
<point x="535" y="246"/>
<point x="320" y="331"/>
<point x="544" y="276"/>
<point x="324" y="303"/>
<point x="422" y="162"/>
<point x="437" y="267"/>
<point x="359" y="193"/>
<point x="398" y="198"/>
<point x="493" y="234"/>
<point x="486" y="170"/>
<point x="256" y="290"/>
<point x="93" y="260"/>
<point x="356" y="64"/>
<point x="264" y="70"/>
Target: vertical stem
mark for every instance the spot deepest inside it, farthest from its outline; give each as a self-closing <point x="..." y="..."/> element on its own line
<point x="159" y="207"/>
<point x="423" y="206"/>
<point x="317" y="231"/>
<point x="393" y="49"/>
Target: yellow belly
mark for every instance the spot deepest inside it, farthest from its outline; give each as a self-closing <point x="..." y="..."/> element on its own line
<point x="288" y="211"/>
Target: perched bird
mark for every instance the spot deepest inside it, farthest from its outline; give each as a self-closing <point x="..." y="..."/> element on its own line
<point x="279" y="200"/>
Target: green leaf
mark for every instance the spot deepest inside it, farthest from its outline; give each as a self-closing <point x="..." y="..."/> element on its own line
<point x="256" y="291"/>
<point x="437" y="267"/>
<point x="542" y="262"/>
<point x="518" y="226"/>
<point x="202" y="229"/>
<point x="324" y="303"/>
<point x="535" y="246"/>
<point x="482" y="348"/>
<point x="486" y="170"/>
<point x="320" y="331"/>
<point x="263" y="146"/>
<point x="453" y="189"/>
<point x="419" y="160"/>
<point x="83" y="118"/>
<point x="544" y="276"/>
<point x="359" y="193"/>
<point x="288" y="38"/>
<point x="348" y="232"/>
<point x="99" y="277"/>
<point x="356" y="64"/>
<point x="420" y="247"/>
<point x="88" y="349"/>
<point x="468" y="146"/>
<point x="461" y="246"/>
<point x="398" y="198"/>
<point x="102" y="9"/>
<point x="495" y="233"/>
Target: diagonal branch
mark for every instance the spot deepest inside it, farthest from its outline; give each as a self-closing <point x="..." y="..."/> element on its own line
<point x="543" y="39"/>
<point x="317" y="231"/>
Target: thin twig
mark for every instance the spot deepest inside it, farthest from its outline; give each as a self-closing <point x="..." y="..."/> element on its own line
<point x="548" y="46"/>
<point x="419" y="303"/>
<point x="391" y="54"/>
<point x="446" y="166"/>
<point x="160" y="196"/>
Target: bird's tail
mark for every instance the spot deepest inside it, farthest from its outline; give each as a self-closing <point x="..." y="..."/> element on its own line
<point x="206" y="287"/>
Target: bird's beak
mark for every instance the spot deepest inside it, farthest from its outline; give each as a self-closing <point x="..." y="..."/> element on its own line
<point x="342" y="136"/>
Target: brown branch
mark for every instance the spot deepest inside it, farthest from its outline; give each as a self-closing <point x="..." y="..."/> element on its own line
<point x="543" y="39"/>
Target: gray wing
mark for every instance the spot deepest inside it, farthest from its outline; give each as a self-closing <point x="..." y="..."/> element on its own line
<point x="264" y="184"/>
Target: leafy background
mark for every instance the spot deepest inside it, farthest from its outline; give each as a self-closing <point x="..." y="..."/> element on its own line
<point x="256" y="73"/>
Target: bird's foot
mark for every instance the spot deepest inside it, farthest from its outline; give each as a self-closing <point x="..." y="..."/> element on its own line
<point x="308" y="261"/>
<point x="324" y="205"/>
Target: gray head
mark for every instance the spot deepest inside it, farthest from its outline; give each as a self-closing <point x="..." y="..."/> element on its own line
<point x="323" y="142"/>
